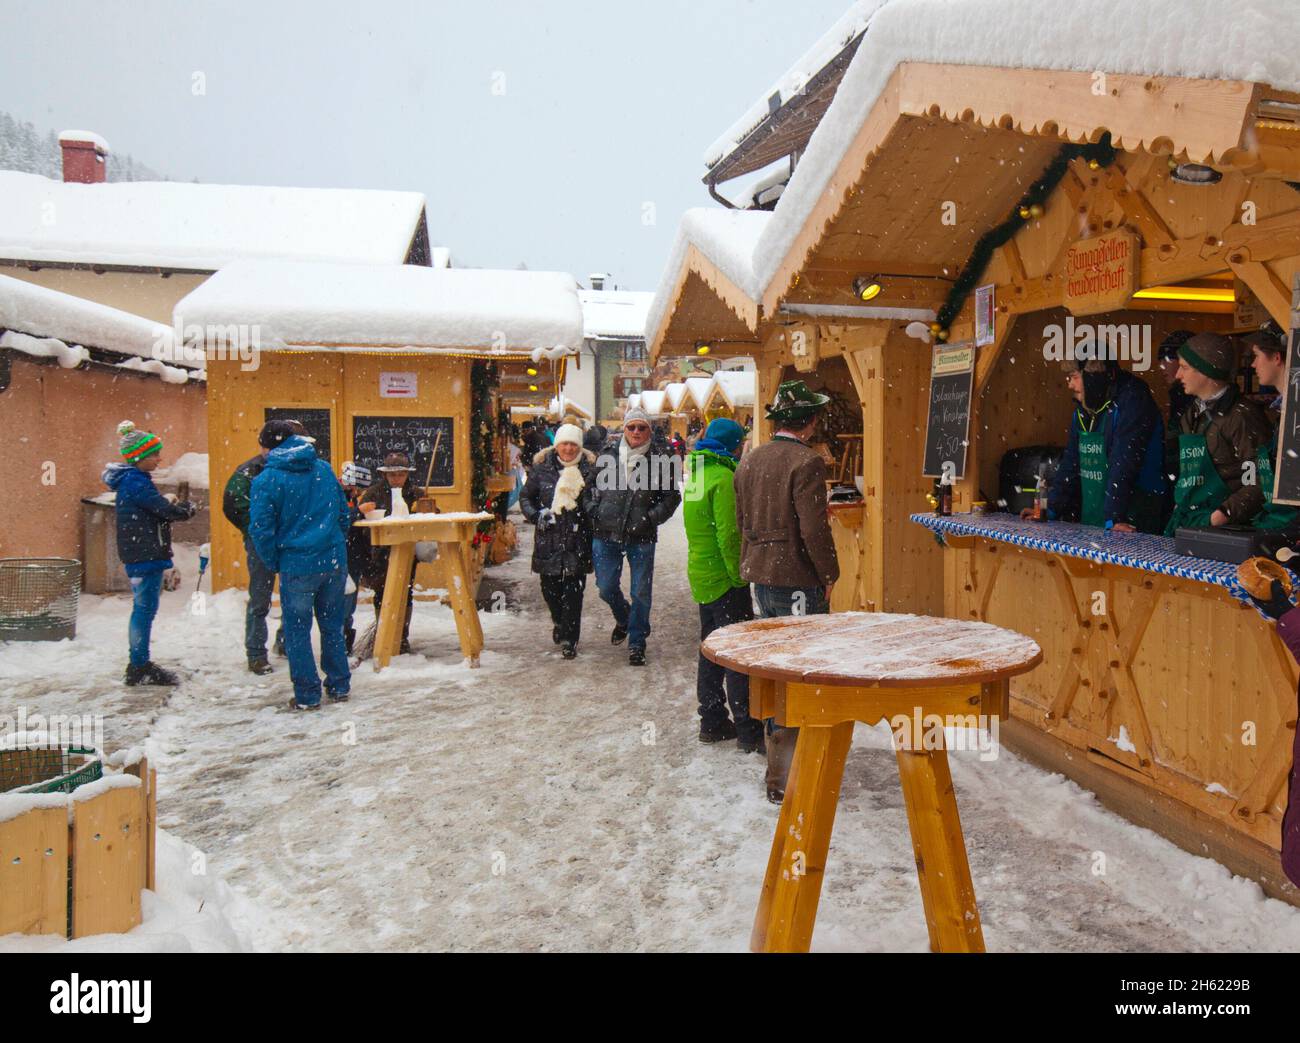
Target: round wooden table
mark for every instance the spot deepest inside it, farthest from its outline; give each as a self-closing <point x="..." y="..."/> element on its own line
<point x="821" y="674"/>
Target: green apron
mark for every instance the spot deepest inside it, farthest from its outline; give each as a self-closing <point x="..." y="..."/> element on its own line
<point x="1092" y="477"/>
<point x="1200" y="491"/>
<point x="1273" y="516"/>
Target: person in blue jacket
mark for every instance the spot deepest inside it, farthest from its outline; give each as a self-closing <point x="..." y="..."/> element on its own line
<point x="299" y="519"/>
<point x="144" y="542"/>
<point x="1112" y="473"/>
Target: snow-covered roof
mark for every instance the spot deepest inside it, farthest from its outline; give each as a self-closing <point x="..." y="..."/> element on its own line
<point x="85" y="135"/>
<point x="392" y="305"/>
<point x="653" y="403"/>
<point x="698" y="390"/>
<point x="793" y="81"/>
<point x="48" y="315"/>
<point x="727" y="238"/>
<point x="674" y="393"/>
<point x="167" y="224"/>
<point x="1247" y="40"/>
<point x="614" y="314"/>
<point x="736" y="386"/>
<point x="634" y="400"/>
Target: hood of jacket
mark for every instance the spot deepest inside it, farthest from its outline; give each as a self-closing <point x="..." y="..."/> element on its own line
<point x="293" y="454"/>
<point x="115" y="475"/>
<point x="704" y="457"/>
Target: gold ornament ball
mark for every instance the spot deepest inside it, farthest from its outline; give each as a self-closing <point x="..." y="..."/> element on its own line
<point x="1094" y="164"/>
<point x="1035" y="211"/>
<point x="935" y="328"/>
<point x="1024" y="213"/>
<point x="942" y="335"/>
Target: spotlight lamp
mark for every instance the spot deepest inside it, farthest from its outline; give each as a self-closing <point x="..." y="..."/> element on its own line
<point x="1193" y="173"/>
<point x="703" y="348"/>
<point x="867" y="287"/>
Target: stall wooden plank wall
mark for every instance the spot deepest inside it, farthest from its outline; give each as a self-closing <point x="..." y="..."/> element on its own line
<point x="347" y="384"/>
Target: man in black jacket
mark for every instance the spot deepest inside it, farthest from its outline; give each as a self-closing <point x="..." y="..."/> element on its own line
<point x="637" y="485"/>
<point x="261" y="580"/>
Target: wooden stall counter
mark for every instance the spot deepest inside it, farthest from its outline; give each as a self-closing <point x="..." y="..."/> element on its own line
<point x="1161" y="687"/>
<point x="453" y="532"/>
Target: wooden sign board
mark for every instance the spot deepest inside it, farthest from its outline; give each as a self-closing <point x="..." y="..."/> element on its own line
<point x="1100" y="274"/>
<point x="1286" y="465"/>
<point x="374" y="437"/>
<point x="947" y="425"/>
<point x="1248" y="314"/>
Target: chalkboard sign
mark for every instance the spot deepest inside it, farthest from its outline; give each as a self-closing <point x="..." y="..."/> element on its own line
<point x="1286" y="465"/>
<point x="317" y="423"/>
<point x="948" y="425"/>
<point x="374" y="437"/>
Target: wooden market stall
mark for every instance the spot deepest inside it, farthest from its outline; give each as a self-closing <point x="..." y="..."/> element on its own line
<point x="1161" y="203"/>
<point x="376" y="359"/>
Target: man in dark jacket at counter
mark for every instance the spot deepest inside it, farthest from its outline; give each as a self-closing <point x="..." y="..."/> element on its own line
<point x="636" y="492"/>
<point x="394" y="481"/>
<point x="786" y="547"/>
<point x="261" y="580"/>
<point x="1111" y="474"/>
<point x="1220" y="432"/>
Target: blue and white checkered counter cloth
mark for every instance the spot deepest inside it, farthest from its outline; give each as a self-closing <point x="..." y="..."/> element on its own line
<point x="1134" y="550"/>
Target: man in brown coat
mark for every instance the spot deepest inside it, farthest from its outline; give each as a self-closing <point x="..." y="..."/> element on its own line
<point x="786" y="547"/>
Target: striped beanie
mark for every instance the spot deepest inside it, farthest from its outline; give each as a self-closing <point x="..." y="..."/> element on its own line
<point x="136" y="444"/>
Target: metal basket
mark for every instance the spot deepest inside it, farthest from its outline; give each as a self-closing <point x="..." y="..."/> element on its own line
<point x="48" y="769"/>
<point x="38" y="598"/>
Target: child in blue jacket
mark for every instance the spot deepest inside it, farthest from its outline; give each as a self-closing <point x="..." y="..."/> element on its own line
<point x="144" y="542"/>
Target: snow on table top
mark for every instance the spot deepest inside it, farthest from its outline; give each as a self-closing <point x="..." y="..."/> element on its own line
<point x="872" y="647"/>
<point x="391" y="305"/>
<point x="1251" y="40"/>
<point x="727" y="238"/>
<point x="446" y="516"/>
<point x="42" y="312"/>
<point x="202" y="227"/>
<point x="615" y="314"/>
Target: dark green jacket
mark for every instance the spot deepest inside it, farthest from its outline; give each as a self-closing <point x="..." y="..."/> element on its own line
<point x="235" y="501"/>
<point x="712" y="535"/>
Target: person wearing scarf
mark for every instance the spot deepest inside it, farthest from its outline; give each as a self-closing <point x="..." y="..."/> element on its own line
<point x="557" y="500"/>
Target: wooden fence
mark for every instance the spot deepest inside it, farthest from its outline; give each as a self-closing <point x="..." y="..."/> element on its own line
<point x="76" y="866"/>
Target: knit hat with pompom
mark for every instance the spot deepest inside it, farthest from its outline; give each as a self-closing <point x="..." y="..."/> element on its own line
<point x="136" y="444"/>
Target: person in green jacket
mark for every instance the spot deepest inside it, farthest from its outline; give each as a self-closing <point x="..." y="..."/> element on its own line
<point x="713" y="569"/>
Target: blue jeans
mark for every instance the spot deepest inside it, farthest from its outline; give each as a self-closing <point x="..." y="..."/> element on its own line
<point x="145" y="592"/>
<point x="261" y="584"/>
<point x="607" y="557"/>
<point x="789" y="601"/>
<point x="318" y="594"/>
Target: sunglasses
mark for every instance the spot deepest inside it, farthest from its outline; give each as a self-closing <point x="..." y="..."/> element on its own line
<point x="637" y="427"/>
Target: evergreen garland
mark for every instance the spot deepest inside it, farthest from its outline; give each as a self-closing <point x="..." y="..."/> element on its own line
<point x="482" y="440"/>
<point x="1029" y="207"/>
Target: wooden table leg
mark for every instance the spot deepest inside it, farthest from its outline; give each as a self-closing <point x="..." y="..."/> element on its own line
<point x="941" y="867"/>
<point x="787" y="906"/>
<point x="468" y="627"/>
<point x="392" y="613"/>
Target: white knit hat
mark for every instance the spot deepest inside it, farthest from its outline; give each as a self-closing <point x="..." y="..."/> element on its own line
<point x="569" y="433"/>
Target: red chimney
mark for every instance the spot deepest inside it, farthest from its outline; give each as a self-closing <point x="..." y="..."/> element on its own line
<point x="85" y="157"/>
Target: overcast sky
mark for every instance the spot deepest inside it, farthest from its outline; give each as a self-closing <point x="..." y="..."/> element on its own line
<point x="538" y="131"/>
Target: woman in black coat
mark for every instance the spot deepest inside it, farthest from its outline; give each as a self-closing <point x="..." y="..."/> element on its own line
<point x="557" y="500"/>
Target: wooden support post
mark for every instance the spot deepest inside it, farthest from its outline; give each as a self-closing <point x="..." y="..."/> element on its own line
<point x="941" y="867"/>
<point x="787" y="907"/>
<point x="107" y="851"/>
<point x="392" y="613"/>
<point x="468" y="627"/>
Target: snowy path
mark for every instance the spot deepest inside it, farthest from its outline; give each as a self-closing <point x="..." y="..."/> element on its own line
<point x="544" y="805"/>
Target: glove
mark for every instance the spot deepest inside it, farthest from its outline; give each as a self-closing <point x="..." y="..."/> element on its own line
<point x="1278" y="604"/>
<point x="545" y="518"/>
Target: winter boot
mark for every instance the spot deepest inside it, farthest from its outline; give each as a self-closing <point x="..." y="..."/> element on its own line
<point x="336" y="697"/>
<point x="259" y="666"/>
<point x="618" y="635"/>
<point x="306" y="707"/>
<point x="278" y="647"/>
<point x="751" y="743"/>
<point x="569" y="650"/>
<point x="636" y="656"/>
<point x="149" y="674"/>
<point x="780" y="753"/>
<point x="721" y="733"/>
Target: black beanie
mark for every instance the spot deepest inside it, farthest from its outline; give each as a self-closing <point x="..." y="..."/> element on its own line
<point x="276" y="431"/>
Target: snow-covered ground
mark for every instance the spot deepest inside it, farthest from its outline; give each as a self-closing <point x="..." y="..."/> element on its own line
<point x="539" y="804"/>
